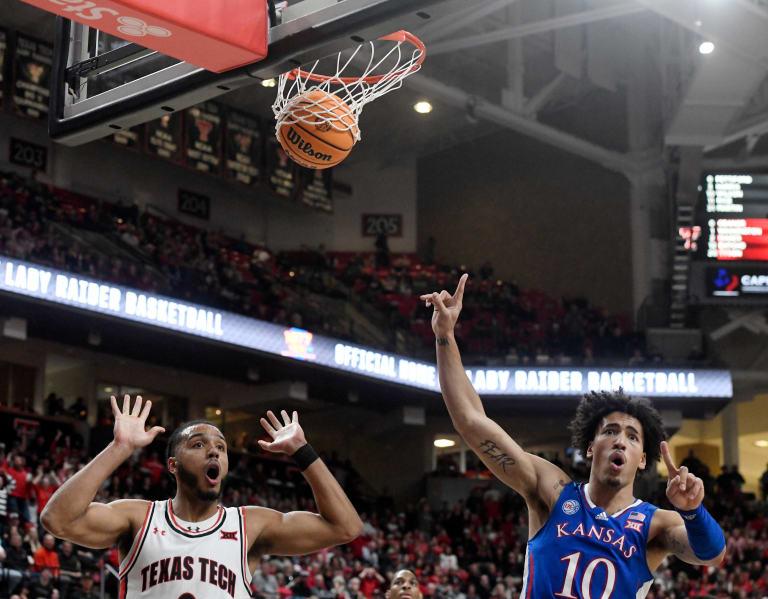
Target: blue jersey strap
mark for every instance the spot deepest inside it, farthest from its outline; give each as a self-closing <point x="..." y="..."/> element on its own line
<point x="704" y="534"/>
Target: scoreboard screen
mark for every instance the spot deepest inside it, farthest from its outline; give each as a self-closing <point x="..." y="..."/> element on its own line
<point x="732" y="218"/>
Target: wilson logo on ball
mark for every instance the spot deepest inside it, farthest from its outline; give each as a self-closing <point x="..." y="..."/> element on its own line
<point x="305" y="146"/>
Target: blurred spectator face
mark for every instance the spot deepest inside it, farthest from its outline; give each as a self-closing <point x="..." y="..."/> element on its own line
<point x="354" y="585"/>
<point x="319" y="581"/>
<point x="16" y="540"/>
<point x="18" y="462"/>
<point x="66" y="548"/>
<point x="45" y="576"/>
<point x="48" y="542"/>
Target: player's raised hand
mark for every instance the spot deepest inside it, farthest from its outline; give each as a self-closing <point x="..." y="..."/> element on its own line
<point x="287" y="436"/>
<point x="447" y="307"/>
<point x="684" y="490"/>
<point x="130" y="425"/>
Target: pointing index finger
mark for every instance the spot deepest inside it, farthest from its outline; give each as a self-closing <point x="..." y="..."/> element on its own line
<point x="459" y="295"/>
<point x="668" y="459"/>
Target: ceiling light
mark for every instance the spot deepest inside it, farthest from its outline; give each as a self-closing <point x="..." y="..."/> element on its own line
<point x="761" y="443"/>
<point x="422" y="107"/>
<point x="706" y="48"/>
<point x="444" y="442"/>
<point x="218" y="412"/>
<point x="269" y="83"/>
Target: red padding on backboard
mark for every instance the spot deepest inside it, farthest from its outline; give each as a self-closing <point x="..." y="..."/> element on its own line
<point x="217" y="35"/>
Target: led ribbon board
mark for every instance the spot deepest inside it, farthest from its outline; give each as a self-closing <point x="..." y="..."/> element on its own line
<point x="63" y="288"/>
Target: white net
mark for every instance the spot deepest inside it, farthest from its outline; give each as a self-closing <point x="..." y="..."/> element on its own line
<point x="373" y="77"/>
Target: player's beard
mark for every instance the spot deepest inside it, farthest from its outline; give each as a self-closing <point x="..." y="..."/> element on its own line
<point x="189" y="481"/>
<point x="610" y="481"/>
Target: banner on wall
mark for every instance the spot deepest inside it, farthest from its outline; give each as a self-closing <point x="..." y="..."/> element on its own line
<point x="130" y="139"/>
<point x="32" y="75"/>
<point x="316" y="188"/>
<point x="202" y="137"/>
<point x="242" y="148"/>
<point x="281" y="170"/>
<point x="164" y="138"/>
<point x="117" y="301"/>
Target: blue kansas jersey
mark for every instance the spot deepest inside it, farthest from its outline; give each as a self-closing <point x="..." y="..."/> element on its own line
<point x="583" y="553"/>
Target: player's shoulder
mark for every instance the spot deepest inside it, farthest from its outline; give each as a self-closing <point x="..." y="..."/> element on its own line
<point x="259" y="514"/>
<point x="135" y="509"/>
<point x="663" y="520"/>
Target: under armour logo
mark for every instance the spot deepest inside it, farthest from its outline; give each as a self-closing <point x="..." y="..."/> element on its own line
<point x="138" y="28"/>
<point x="232" y="536"/>
<point x="197" y="528"/>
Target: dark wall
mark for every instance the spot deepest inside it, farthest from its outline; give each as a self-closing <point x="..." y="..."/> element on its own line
<point x="545" y="218"/>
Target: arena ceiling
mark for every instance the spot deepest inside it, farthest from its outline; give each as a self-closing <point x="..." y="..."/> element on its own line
<point x="567" y="73"/>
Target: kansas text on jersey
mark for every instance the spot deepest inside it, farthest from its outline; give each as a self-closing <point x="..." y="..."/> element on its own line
<point x="583" y="553"/>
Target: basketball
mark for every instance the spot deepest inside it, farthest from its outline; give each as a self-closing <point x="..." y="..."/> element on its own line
<point x="323" y="132"/>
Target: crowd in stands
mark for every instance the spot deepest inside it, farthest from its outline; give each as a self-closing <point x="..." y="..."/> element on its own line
<point x="473" y="549"/>
<point x="500" y="322"/>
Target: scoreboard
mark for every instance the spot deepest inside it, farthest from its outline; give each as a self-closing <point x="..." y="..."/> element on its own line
<point x="729" y="240"/>
<point x="732" y="217"/>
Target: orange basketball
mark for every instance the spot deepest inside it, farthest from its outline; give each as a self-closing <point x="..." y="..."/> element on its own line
<point x="319" y="145"/>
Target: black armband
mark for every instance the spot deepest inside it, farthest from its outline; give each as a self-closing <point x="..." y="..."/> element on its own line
<point x="304" y="457"/>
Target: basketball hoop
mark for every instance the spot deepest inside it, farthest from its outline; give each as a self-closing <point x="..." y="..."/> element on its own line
<point x="381" y="75"/>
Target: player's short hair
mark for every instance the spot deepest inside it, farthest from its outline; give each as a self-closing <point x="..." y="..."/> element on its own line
<point x="594" y="406"/>
<point x="175" y="439"/>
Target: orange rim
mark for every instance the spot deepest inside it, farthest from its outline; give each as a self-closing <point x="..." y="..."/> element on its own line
<point x="398" y="36"/>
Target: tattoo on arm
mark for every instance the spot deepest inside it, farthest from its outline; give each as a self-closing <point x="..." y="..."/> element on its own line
<point x="559" y="484"/>
<point x="442" y="341"/>
<point x="493" y="451"/>
<point x="673" y="545"/>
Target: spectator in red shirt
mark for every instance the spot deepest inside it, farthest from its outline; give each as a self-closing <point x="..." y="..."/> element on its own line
<point x="370" y="581"/>
<point x="18" y="498"/>
<point x="43" y="486"/>
<point x="154" y="467"/>
<point x="46" y="556"/>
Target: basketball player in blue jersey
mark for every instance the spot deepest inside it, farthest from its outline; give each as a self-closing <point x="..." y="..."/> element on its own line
<point x="190" y="547"/>
<point x="585" y="541"/>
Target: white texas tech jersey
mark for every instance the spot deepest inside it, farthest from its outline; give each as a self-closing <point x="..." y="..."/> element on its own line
<point x="173" y="559"/>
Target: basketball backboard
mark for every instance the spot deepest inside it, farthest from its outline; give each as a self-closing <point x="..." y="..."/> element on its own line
<point x="102" y="84"/>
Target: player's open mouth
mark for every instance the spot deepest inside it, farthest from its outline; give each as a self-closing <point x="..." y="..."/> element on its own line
<point x="617" y="461"/>
<point x="212" y="474"/>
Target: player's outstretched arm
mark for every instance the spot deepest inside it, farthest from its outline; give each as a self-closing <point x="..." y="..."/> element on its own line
<point x="72" y="514"/>
<point x="690" y="532"/>
<point x="534" y="478"/>
<point x="300" y="533"/>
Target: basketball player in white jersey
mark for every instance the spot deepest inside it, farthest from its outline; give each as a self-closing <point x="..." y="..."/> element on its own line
<point x="190" y="547"/>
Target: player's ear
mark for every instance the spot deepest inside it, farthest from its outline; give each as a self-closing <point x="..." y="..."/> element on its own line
<point x="589" y="451"/>
<point x="642" y="463"/>
<point x="172" y="465"/>
<point x="386" y="594"/>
